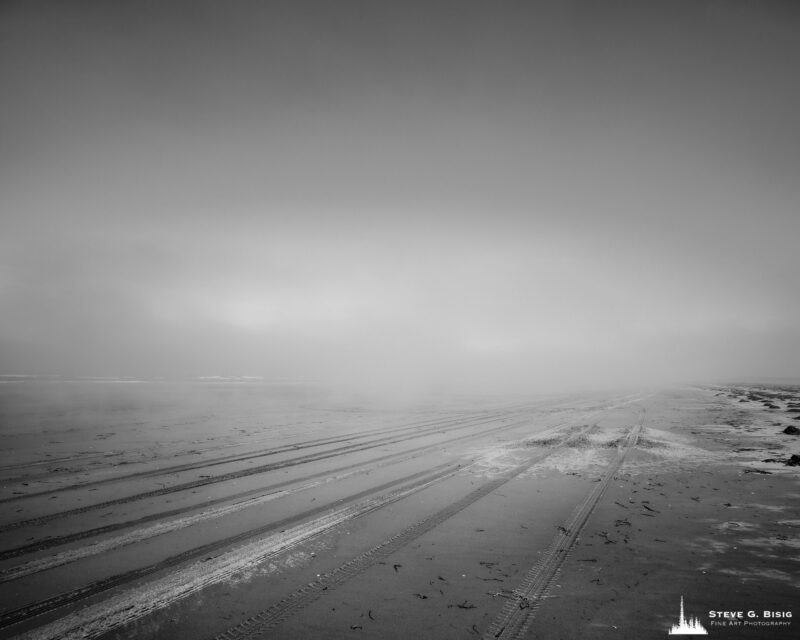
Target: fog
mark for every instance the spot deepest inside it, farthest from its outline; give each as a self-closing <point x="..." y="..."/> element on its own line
<point x="502" y="196"/>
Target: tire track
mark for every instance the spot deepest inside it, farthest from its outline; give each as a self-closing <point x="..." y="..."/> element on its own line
<point x="256" y="626"/>
<point x="430" y="425"/>
<point x="179" y="588"/>
<point x="312" y="481"/>
<point x="43" y="519"/>
<point x="418" y="480"/>
<point x="516" y="615"/>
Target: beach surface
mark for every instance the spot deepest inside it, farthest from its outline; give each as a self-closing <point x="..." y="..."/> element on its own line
<point x="236" y="509"/>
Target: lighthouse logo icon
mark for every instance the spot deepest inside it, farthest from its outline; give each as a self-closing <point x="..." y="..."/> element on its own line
<point x="687" y="626"/>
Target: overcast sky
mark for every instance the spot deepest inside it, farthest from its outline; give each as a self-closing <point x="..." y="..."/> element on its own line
<point x="530" y="194"/>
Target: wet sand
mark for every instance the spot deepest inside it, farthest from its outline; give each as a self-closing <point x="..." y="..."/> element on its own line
<point x="569" y="517"/>
<point x="694" y="513"/>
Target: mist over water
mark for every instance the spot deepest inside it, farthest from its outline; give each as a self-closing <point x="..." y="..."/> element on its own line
<point x="516" y="197"/>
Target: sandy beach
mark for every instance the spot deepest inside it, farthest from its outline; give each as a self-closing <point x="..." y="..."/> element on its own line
<point x="309" y="516"/>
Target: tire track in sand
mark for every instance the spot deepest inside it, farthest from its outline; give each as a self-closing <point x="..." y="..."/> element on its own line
<point x="256" y="626"/>
<point x="243" y="473"/>
<point x="391" y="458"/>
<point x="93" y="588"/>
<point x="95" y="620"/>
<point x="232" y="458"/>
<point x="160" y="528"/>
<point x="516" y="615"/>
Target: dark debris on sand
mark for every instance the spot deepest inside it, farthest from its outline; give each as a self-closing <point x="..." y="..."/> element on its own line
<point x="793" y="461"/>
